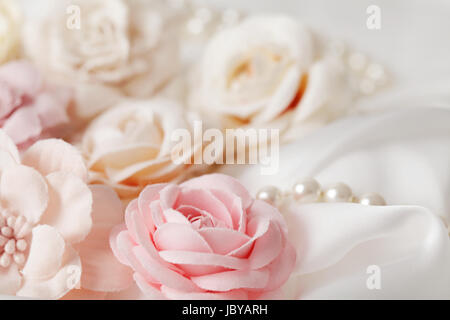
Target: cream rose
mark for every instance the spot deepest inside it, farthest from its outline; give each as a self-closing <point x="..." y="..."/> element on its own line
<point x="266" y="72"/>
<point x="106" y="48"/>
<point x="10" y="19"/>
<point x="130" y="145"/>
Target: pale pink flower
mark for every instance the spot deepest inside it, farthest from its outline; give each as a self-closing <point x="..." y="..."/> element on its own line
<point x="46" y="210"/>
<point x="204" y="239"/>
<point x="29" y="108"/>
<point x="107" y="49"/>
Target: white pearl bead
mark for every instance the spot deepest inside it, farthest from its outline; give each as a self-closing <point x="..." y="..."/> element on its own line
<point x="372" y="199"/>
<point x="269" y="194"/>
<point x="307" y="191"/>
<point x="338" y="193"/>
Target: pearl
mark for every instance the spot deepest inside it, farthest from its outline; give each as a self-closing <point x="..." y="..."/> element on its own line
<point x="307" y="191"/>
<point x="372" y="199"/>
<point x="269" y="194"/>
<point x="367" y="86"/>
<point x="338" y="193"/>
<point x="357" y="61"/>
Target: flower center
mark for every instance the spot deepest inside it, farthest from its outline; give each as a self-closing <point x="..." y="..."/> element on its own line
<point x="203" y="221"/>
<point x="13" y="244"/>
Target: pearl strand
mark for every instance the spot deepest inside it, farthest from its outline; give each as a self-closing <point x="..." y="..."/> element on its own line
<point x="309" y="190"/>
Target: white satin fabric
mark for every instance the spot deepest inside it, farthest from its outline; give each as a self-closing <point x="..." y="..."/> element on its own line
<point x="404" y="155"/>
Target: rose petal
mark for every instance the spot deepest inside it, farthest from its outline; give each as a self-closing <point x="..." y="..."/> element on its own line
<point x="162" y="274"/>
<point x="231" y="280"/>
<point x="46" y="253"/>
<point x="234" y="206"/>
<point x="70" y="205"/>
<point x="173" y="216"/>
<point x="23" y="125"/>
<point x="54" y="155"/>
<point x="201" y="258"/>
<point x="221" y="182"/>
<point x="204" y="200"/>
<point x="262" y="209"/>
<point x="281" y="268"/>
<point x="24" y="191"/>
<point x="22" y="76"/>
<point x="267" y="247"/>
<point x="221" y="240"/>
<point x="174" y="236"/>
<point x="114" y="235"/>
<point x="169" y="195"/>
<point x="258" y="227"/>
<point x="149" y="291"/>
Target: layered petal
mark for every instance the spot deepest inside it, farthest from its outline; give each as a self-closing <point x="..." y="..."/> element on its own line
<point x="18" y="181"/>
<point x="52" y="155"/>
<point x="70" y="205"/>
<point x="101" y="270"/>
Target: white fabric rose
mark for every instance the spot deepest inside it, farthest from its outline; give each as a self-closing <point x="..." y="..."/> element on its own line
<point x="266" y="72"/>
<point x="10" y="20"/>
<point x="130" y="145"/>
<point x="402" y="155"/>
<point x="114" y="48"/>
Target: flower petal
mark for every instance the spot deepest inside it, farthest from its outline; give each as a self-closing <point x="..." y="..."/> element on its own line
<point x="202" y="199"/>
<point x="175" y="236"/>
<point x="70" y="205"/>
<point x="161" y="273"/>
<point x="101" y="270"/>
<point x="222" y="240"/>
<point x="149" y="291"/>
<point x="281" y="268"/>
<point x="231" y="280"/>
<point x="266" y="248"/>
<point x="46" y="253"/>
<point x="201" y="258"/>
<point x="10" y="280"/>
<point x="52" y="155"/>
<point x="6" y="144"/>
<point x="221" y="182"/>
<point x="23" y="125"/>
<point x="66" y="279"/>
<point x="24" y="191"/>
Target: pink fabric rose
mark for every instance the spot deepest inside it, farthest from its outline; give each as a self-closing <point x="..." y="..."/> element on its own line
<point x="204" y="239"/>
<point x="30" y="109"/>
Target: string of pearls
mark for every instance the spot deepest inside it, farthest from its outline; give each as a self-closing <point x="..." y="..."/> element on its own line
<point x="368" y="76"/>
<point x="309" y="190"/>
<point x="203" y="20"/>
